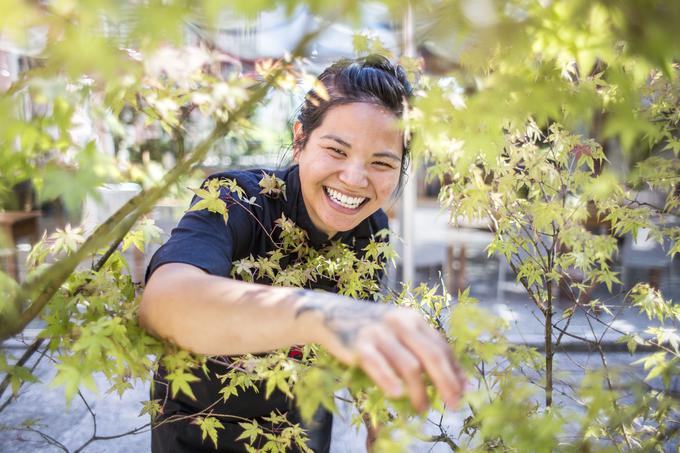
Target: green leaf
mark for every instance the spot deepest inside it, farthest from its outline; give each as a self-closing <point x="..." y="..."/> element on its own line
<point x="212" y="204"/>
<point x="179" y="382"/>
<point x="18" y="375"/>
<point x="145" y="232"/>
<point x="251" y="430"/>
<point x="228" y="390"/>
<point x="73" y="184"/>
<point x="71" y="375"/>
<point x="151" y="408"/>
<point x="209" y="426"/>
<point x="272" y="186"/>
<point x="67" y="240"/>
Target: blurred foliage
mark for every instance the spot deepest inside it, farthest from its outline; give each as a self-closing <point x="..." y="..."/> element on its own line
<point x="525" y="130"/>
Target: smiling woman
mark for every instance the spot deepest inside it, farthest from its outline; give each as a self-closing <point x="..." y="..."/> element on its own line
<point x="350" y="165"/>
<point x="350" y="156"/>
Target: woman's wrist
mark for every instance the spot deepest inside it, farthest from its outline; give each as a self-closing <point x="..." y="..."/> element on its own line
<point x="335" y="321"/>
<point x="309" y="314"/>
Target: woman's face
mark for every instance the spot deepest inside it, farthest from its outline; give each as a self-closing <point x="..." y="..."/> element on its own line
<point x="350" y="165"/>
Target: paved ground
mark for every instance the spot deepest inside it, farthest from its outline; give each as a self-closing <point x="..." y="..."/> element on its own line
<point x="71" y="426"/>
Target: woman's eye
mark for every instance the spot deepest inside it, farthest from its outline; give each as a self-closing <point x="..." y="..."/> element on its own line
<point x="337" y="151"/>
<point x="383" y="164"/>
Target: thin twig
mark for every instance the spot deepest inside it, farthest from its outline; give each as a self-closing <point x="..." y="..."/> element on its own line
<point x="49" y="439"/>
<point x="22" y="360"/>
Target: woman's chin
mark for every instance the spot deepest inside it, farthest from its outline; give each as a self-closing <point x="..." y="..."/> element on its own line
<point x="343" y="226"/>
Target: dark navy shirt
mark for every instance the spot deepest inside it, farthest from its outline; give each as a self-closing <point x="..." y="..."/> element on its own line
<point x="202" y="239"/>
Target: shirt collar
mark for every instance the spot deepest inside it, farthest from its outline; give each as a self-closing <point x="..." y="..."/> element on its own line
<point x="296" y="210"/>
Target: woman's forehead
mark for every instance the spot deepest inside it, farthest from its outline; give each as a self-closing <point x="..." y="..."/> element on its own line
<point x="359" y="123"/>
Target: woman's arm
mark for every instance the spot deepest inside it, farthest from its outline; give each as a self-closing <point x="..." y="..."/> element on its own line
<point x="213" y="315"/>
<point x="220" y="316"/>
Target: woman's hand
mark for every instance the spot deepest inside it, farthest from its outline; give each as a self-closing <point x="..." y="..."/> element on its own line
<point x="394" y="346"/>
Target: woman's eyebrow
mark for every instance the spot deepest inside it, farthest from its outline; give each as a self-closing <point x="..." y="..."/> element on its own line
<point x="388" y="154"/>
<point x="337" y="139"/>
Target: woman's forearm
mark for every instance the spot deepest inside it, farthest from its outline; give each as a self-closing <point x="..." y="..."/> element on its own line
<point x="220" y="316"/>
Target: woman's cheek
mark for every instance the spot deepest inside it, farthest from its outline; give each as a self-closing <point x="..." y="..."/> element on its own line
<point x="387" y="188"/>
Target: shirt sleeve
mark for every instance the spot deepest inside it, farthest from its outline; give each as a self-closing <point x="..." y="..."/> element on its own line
<point x="204" y="240"/>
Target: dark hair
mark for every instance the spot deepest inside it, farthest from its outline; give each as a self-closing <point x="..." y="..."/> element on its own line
<point x="371" y="79"/>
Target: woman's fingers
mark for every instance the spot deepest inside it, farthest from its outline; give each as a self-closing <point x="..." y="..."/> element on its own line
<point x="377" y="367"/>
<point x="438" y="361"/>
<point x="409" y="368"/>
<point x="433" y="354"/>
<point x="395" y="347"/>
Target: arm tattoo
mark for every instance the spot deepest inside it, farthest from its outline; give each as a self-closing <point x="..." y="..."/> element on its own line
<point x="341" y="315"/>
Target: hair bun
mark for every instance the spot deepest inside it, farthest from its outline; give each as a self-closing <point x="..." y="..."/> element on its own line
<point x="382" y="63"/>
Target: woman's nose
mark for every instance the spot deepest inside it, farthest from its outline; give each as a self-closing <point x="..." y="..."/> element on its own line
<point x="354" y="175"/>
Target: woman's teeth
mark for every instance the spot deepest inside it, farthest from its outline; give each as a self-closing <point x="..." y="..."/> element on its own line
<point x="344" y="200"/>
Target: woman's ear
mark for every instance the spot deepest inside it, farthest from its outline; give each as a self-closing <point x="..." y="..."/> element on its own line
<point x="298" y="136"/>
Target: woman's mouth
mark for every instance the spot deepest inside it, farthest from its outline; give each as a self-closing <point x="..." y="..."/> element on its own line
<point x="343" y="200"/>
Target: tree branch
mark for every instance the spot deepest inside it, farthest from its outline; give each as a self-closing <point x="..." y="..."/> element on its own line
<point x="40" y="289"/>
